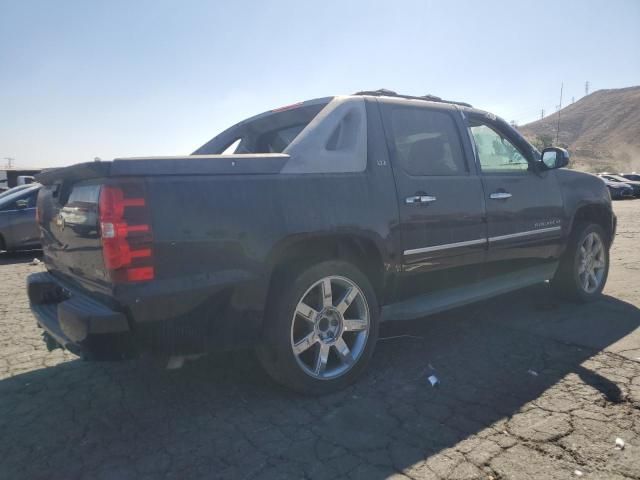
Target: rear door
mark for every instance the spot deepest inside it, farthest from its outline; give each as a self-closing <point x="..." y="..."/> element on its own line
<point x="440" y="197"/>
<point x="525" y="213"/>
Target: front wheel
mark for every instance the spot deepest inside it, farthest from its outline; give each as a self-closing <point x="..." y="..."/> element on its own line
<point x="321" y="328"/>
<point x="584" y="268"/>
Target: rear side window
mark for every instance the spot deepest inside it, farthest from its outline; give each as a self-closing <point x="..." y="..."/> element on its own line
<point x="426" y="142"/>
<point x="276" y="141"/>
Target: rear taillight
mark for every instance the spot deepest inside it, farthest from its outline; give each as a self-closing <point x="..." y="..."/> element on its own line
<point x="125" y="228"/>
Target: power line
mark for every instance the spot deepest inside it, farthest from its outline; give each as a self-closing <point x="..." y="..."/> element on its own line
<point x="559" y="108"/>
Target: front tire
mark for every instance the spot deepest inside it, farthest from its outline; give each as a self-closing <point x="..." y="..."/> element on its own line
<point x="321" y="328"/>
<point x="584" y="267"/>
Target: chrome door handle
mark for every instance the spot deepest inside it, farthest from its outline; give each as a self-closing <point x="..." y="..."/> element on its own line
<point x="500" y="195"/>
<point x="419" y="199"/>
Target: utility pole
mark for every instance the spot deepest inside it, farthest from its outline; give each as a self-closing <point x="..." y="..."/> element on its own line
<point x="541" y="114"/>
<point x="9" y="161"/>
<point x="559" y="108"/>
<point x="573" y="99"/>
<point x="586" y="88"/>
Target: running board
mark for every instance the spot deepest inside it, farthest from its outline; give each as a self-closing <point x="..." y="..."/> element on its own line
<point x="435" y="302"/>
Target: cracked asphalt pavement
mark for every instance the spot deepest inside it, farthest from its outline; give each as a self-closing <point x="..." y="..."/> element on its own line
<point x="529" y="388"/>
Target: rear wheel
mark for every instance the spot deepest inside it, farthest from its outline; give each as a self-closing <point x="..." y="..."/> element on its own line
<point x="321" y="328"/>
<point x="584" y="268"/>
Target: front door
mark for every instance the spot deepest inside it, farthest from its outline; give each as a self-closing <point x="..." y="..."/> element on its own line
<point x="525" y="213"/>
<point x="440" y="197"/>
<point x="20" y="218"/>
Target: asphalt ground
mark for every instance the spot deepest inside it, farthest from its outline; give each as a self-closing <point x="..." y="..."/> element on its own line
<point x="530" y="388"/>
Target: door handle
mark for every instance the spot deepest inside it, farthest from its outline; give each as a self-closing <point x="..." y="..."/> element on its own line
<point x="419" y="199"/>
<point x="500" y="195"/>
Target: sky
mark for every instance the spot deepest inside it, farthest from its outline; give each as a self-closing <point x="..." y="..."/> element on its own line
<point x="90" y="78"/>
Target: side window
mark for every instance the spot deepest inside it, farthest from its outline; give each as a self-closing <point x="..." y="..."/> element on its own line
<point x="23" y="201"/>
<point x="31" y="199"/>
<point x="426" y="142"/>
<point x="496" y="153"/>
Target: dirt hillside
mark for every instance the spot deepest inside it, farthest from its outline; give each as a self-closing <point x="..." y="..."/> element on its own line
<point x="601" y="130"/>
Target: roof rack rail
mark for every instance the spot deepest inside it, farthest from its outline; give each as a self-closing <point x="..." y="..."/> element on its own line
<point x="383" y="92"/>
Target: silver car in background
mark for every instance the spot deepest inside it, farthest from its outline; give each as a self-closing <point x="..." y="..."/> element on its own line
<point x="18" y="226"/>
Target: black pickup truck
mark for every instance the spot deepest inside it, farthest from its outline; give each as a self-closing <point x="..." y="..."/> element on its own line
<point x="296" y="232"/>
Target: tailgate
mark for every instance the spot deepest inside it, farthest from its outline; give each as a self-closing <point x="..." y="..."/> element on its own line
<point x="69" y="224"/>
<point x="68" y="210"/>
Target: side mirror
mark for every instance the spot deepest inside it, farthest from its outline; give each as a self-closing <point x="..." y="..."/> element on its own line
<point x="22" y="203"/>
<point x="554" y="157"/>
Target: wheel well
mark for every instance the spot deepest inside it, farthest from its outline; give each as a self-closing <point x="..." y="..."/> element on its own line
<point x="2" y="244"/>
<point x="596" y="214"/>
<point x="362" y="252"/>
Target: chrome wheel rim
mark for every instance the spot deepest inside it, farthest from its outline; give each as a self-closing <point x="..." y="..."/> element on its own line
<point x="591" y="263"/>
<point x="330" y="327"/>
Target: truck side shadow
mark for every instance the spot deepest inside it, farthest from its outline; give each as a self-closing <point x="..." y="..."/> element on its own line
<point x="221" y="416"/>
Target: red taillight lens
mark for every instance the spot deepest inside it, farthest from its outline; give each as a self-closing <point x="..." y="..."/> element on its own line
<point x="126" y="232"/>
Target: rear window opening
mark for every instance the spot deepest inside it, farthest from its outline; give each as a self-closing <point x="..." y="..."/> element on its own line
<point x="270" y="132"/>
<point x="277" y="140"/>
<point x="231" y="149"/>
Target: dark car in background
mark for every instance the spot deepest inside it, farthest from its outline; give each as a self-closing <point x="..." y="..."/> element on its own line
<point x="612" y="177"/>
<point x="631" y="176"/>
<point x="617" y="190"/>
<point x="18" y="226"/>
<point x="13" y="190"/>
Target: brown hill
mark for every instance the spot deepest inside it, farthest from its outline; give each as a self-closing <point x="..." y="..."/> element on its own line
<point x="601" y="130"/>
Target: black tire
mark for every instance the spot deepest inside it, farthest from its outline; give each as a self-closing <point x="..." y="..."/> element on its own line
<point x="276" y="354"/>
<point x="567" y="282"/>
